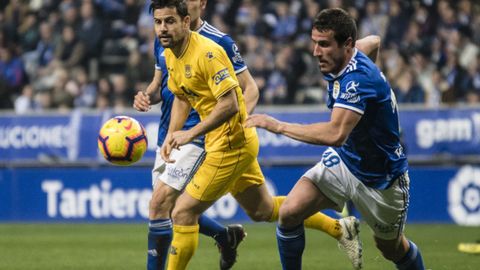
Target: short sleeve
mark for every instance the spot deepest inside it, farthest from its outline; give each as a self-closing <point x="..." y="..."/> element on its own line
<point x="157" y="52"/>
<point x="233" y="53"/>
<point x="217" y="73"/>
<point x="356" y="90"/>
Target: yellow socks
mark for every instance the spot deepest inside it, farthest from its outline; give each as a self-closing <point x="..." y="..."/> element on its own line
<point x="324" y="223"/>
<point x="184" y="244"/>
<point x="277" y="201"/>
<point x="318" y="221"/>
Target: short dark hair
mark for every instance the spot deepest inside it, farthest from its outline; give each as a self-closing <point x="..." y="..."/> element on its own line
<point x="339" y="21"/>
<point x="180" y="5"/>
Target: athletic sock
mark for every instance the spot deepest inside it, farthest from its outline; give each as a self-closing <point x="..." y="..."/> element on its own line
<point x="184" y="244"/>
<point x="277" y="201"/>
<point x="318" y="221"/>
<point x="291" y="243"/>
<point x="210" y="227"/>
<point x="324" y="223"/>
<point x="159" y="239"/>
<point x="412" y="260"/>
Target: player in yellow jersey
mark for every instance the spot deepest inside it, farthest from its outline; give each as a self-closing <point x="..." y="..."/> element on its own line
<point x="201" y="76"/>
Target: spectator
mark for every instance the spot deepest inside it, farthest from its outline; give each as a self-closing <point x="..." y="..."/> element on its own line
<point x="25" y="102"/>
<point x="83" y="91"/>
<point x="286" y="25"/>
<point x="457" y="78"/>
<point x="90" y="31"/>
<point x="70" y="51"/>
<point x="439" y="40"/>
<point x="12" y="71"/>
<point x="397" y="24"/>
<point x="408" y="90"/>
<point x="28" y="32"/>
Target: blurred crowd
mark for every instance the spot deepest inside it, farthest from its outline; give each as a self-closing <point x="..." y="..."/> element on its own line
<point x="66" y="54"/>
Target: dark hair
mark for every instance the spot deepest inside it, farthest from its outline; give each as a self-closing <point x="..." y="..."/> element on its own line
<point x="180" y="5"/>
<point x="339" y="21"/>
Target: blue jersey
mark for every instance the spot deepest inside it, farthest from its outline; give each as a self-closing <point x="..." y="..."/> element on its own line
<point x="372" y="152"/>
<point x="230" y="48"/>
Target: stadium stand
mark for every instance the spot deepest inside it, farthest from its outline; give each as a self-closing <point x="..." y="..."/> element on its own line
<point x="65" y="54"/>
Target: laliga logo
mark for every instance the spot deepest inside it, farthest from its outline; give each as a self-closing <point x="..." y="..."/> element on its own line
<point x="464" y="196"/>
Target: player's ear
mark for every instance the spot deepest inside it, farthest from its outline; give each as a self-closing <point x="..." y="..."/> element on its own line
<point x="349" y="43"/>
<point x="203" y="4"/>
<point x="186" y="22"/>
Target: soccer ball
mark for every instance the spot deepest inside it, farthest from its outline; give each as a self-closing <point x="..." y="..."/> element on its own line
<point x="122" y="140"/>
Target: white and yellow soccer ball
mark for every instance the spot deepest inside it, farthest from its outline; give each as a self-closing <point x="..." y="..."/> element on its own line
<point x="122" y="140"/>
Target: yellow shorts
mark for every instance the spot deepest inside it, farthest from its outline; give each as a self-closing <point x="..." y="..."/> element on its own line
<point x="229" y="171"/>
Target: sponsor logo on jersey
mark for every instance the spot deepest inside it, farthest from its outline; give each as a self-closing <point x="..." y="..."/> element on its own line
<point x="209" y="55"/>
<point x="351" y="87"/>
<point x="351" y="94"/>
<point x="238" y="57"/>
<point x="220" y="76"/>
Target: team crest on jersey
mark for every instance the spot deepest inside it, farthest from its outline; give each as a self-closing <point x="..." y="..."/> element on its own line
<point x="336" y="89"/>
<point x="220" y="76"/>
<point x="188" y="71"/>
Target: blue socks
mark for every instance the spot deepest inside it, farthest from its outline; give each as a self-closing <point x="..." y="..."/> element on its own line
<point x="212" y="228"/>
<point x="291" y="243"/>
<point x="412" y="260"/>
<point x="159" y="239"/>
<point x="160" y="236"/>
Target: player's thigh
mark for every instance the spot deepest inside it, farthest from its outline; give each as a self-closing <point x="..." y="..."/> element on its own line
<point x="256" y="201"/>
<point x="304" y="200"/>
<point x="218" y="172"/>
<point x="332" y="179"/>
<point x="384" y="211"/>
<point x="178" y="174"/>
<point x="188" y="209"/>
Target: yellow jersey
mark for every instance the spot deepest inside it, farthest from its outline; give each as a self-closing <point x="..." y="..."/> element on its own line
<point x="202" y="74"/>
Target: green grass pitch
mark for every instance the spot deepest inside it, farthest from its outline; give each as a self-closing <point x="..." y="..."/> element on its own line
<point x="123" y="246"/>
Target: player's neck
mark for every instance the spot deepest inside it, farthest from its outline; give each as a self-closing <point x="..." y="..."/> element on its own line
<point x="194" y="26"/>
<point x="348" y="56"/>
<point x="180" y="50"/>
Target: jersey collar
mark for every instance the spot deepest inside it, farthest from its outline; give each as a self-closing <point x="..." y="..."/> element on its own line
<point x="202" y="26"/>
<point x="334" y="76"/>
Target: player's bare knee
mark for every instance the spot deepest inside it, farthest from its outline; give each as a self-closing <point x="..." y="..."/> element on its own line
<point x="161" y="206"/>
<point x="288" y="217"/>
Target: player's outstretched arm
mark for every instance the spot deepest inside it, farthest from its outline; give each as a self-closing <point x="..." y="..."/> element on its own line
<point x="369" y="45"/>
<point x="250" y="90"/>
<point x="332" y="133"/>
<point x="144" y="98"/>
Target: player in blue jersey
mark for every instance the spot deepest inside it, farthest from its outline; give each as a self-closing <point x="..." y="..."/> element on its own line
<point x="365" y="162"/>
<point x="169" y="179"/>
